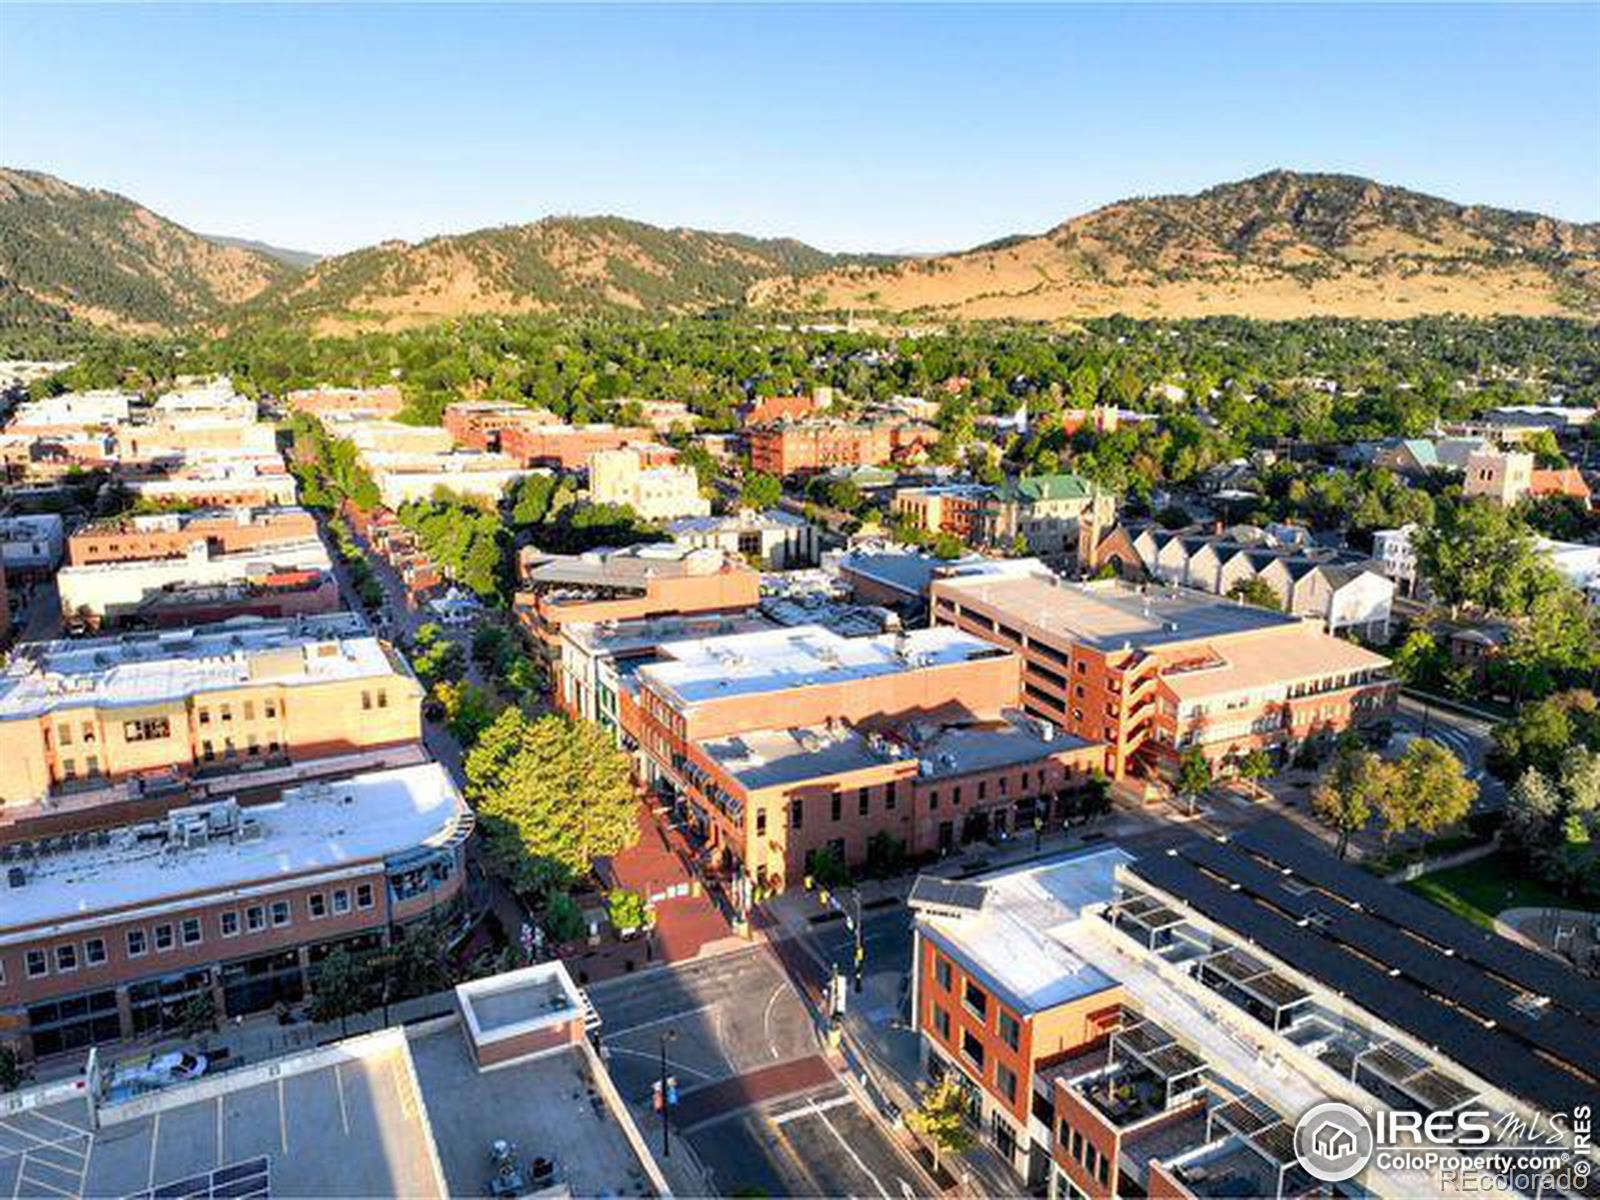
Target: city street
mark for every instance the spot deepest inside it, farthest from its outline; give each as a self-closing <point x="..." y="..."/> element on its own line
<point x="758" y="1102"/>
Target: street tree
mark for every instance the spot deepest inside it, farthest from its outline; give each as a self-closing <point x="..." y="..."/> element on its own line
<point x="1347" y="798"/>
<point x="1194" y="775"/>
<point x="940" y="1119"/>
<point x="1427" y="790"/>
<point x="339" y="991"/>
<point x="760" y="491"/>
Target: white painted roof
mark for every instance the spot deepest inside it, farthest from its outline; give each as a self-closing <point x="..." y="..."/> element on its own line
<point x="316" y="827"/>
<point x="1018" y="941"/>
<point x="773" y="660"/>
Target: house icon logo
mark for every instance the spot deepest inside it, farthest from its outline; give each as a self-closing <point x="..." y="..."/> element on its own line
<point x="1333" y="1141"/>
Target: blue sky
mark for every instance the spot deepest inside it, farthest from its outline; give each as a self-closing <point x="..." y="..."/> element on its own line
<point x="853" y="127"/>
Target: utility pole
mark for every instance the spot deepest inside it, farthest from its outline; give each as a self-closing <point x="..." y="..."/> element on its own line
<point x="861" y="948"/>
<point x="666" y="1094"/>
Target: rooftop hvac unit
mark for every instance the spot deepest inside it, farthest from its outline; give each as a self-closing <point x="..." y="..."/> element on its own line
<point x="16" y="877"/>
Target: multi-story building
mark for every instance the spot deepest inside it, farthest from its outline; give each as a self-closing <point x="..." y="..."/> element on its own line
<point x="31" y="544"/>
<point x="174" y="535"/>
<point x="770" y="410"/>
<point x="1394" y="550"/>
<point x="1129" y="1026"/>
<point x="403" y="477"/>
<point x="478" y="424"/>
<point x="655" y="493"/>
<point x="242" y="482"/>
<point x="620" y="585"/>
<point x="113" y="933"/>
<point x="782" y="744"/>
<point x="944" y="508"/>
<point x="1504" y="477"/>
<point x="1152" y="672"/>
<point x="118" y="567"/>
<point x="75" y="715"/>
<point x="568" y="447"/>
<point x="1347" y="594"/>
<point x="775" y="540"/>
<point x="813" y="446"/>
<point x="385" y="401"/>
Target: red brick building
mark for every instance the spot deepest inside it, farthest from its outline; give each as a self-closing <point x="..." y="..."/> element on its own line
<point x="173" y="535"/>
<point x="568" y="447"/>
<point x="813" y="446"/>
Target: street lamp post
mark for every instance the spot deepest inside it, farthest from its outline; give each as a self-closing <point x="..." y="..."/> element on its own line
<point x="861" y="948"/>
<point x="666" y="1130"/>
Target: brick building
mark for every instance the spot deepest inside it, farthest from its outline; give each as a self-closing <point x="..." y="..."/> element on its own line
<point x="568" y="447"/>
<point x="779" y="744"/>
<point x="174" y="535"/>
<point x="478" y="424"/>
<point x="813" y="446"/>
<point x="1153" y="672"/>
<point x="76" y="715"/>
<point x="113" y="933"/>
<point x="385" y="401"/>
<point x="619" y="585"/>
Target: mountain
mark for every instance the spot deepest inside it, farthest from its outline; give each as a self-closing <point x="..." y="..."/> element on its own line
<point x="570" y="265"/>
<point x="80" y="254"/>
<point x="293" y="258"/>
<point x="1278" y="246"/>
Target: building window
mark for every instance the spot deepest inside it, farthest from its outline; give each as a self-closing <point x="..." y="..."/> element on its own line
<point x="941" y="972"/>
<point x="836" y="807"/>
<point x="366" y="701"/>
<point x="269" y="709"/>
<point x="1002" y="785"/>
<point x="863" y="804"/>
<point x="983" y="790"/>
<point x="1005" y="1082"/>
<point x="228" y="922"/>
<point x="976" y="1000"/>
<point x="890" y="799"/>
<point x="255" y="918"/>
<point x="205" y="716"/>
<point x="383" y="698"/>
<point x="1010" y="1029"/>
<point x="226" y="712"/>
<point x="146" y="731"/>
<point x="363" y="895"/>
<point x="933" y="800"/>
<point x="761" y="822"/>
<point x="955" y="796"/>
<point x="191" y="931"/>
<point x="94" y="951"/>
<point x="63" y="735"/>
<point x="341" y="901"/>
<point x="317" y="905"/>
<point x="249" y="710"/>
<point x="37" y="964"/>
<point x="972" y="1048"/>
<point x="941" y="1022"/>
<point x="797" y="813"/>
<point x="66" y="958"/>
<point x="136" y="943"/>
<point x="207" y="752"/>
<point x="163" y="938"/>
<point x="280" y="913"/>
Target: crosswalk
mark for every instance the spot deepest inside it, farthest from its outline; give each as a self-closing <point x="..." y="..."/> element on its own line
<point x="49" y="1157"/>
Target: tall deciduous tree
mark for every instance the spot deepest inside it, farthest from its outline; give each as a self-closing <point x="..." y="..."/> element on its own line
<point x="552" y="789"/>
<point x="760" y="491"/>
<point x="1426" y="790"/>
<point x="1346" y="800"/>
<point x="940" y="1120"/>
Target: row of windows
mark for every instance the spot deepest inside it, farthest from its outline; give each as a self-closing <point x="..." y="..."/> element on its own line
<point x="189" y="932"/>
<point x="1037" y="780"/>
<point x="976" y="1001"/>
<point x="863" y="807"/>
<point x="252" y="748"/>
<point x="972" y="1049"/>
<point x="269" y="710"/>
<point x="1085" y="1154"/>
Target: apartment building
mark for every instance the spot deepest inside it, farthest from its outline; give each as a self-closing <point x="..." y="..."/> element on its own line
<point x="781" y="744"/>
<point x="478" y="424"/>
<point x="77" y="714"/>
<point x="620" y="585"/>
<point x="117" y="568"/>
<point x="113" y="933"/>
<point x="814" y="446"/>
<point x="1153" y="672"/>
<point x="1393" y="549"/>
<point x="384" y="401"/>
<point x="1346" y="593"/>
<point x="944" y="508"/>
<point x="775" y="540"/>
<point x="568" y="447"/>
<point x="655" y="493"/>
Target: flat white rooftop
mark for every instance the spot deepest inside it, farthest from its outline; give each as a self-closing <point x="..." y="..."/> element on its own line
<point x="149" y="668"/>
<point x="1017" y="941"/>
<point x="753" y="663"/>
<point x="323" y="826"/>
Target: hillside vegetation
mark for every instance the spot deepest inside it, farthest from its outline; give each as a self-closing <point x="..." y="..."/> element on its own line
<point x="75" y="254"/>
<point x="1279" y="246"/>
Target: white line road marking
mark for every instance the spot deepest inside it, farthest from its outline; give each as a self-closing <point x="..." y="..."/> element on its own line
<point x="344" y="1114"/>
<point x="155" y="1136"/>
<point x="905" y="1189"/>
<point x="32" y="1137"/>
<point x="850" y="1150"/>
<point x="283" y="1119"/>
<point x="677" y="1016"/>
<point x="88" y="1150"/>
<point x="44" y="1116"/>
<point x="766" y="1017"/>
<point x="676" y="1066"/>
<point x="811" y="1109"/>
